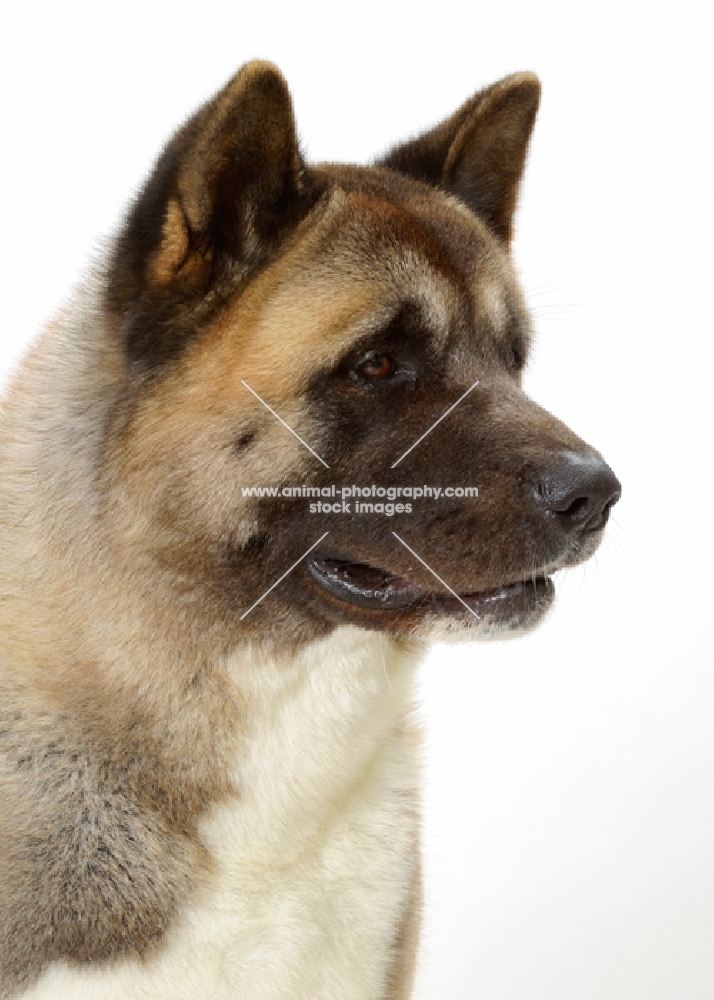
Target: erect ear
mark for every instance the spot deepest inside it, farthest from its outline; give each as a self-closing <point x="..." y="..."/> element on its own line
<point x="226" y="191"/>
<point x="479" y="152"/>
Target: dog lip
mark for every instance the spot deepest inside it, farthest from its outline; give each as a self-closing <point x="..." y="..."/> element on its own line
<point x="363" y="585"/>
<point x="376" y="589"/>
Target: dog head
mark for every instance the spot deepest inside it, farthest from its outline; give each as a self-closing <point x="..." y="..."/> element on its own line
<point x="297" y="327"/>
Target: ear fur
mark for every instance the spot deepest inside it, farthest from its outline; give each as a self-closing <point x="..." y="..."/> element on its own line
<point x="479" y="152"/>
<point x="226" y="190"/>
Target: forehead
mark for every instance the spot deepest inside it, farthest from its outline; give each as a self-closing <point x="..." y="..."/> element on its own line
<point x="376" y="243"/>
<point x="396" y="219"/>
<point x="426" y="245"/>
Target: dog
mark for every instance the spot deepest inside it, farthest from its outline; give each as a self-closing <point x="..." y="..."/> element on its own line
<point x="209" y="781"/>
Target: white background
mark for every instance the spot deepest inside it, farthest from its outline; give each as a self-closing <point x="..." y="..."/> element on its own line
<point x="569" y="806"/>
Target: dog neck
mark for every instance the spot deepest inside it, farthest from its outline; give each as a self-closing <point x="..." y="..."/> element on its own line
<point x="315" y="726"/>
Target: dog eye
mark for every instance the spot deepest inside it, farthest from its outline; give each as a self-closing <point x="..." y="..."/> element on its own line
<point x="376" y="366"/>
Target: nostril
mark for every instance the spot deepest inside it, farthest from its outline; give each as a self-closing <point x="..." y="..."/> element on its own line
<point x="578" y="510"/>
<point x="598" y="522"/>
<point x="579" y="492"/>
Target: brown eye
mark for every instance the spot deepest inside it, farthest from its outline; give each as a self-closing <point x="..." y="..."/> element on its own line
<point x="376" y="366"/>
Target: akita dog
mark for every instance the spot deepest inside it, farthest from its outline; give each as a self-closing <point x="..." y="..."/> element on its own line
<point x="208" y="765"/>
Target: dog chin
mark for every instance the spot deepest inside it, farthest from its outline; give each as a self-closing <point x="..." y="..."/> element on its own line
<point x="464" y="628"/>
<point x="459" y="627"/>
<point x="383" y="601"/>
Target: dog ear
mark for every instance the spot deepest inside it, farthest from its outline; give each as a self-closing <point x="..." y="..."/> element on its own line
<point x="479" y="152"/>
<point x="227" y="189"/>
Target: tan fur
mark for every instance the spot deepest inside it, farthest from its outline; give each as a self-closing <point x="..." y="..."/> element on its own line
<point x="174" y="245"/>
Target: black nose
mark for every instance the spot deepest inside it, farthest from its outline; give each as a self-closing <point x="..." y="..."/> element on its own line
<point x="579" y="491"/>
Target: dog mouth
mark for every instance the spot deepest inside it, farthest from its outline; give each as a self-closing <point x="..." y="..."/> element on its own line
<point x="371" y="588"/>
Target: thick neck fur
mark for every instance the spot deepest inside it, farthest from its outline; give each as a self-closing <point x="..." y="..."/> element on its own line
<point x="228" y="760"/>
